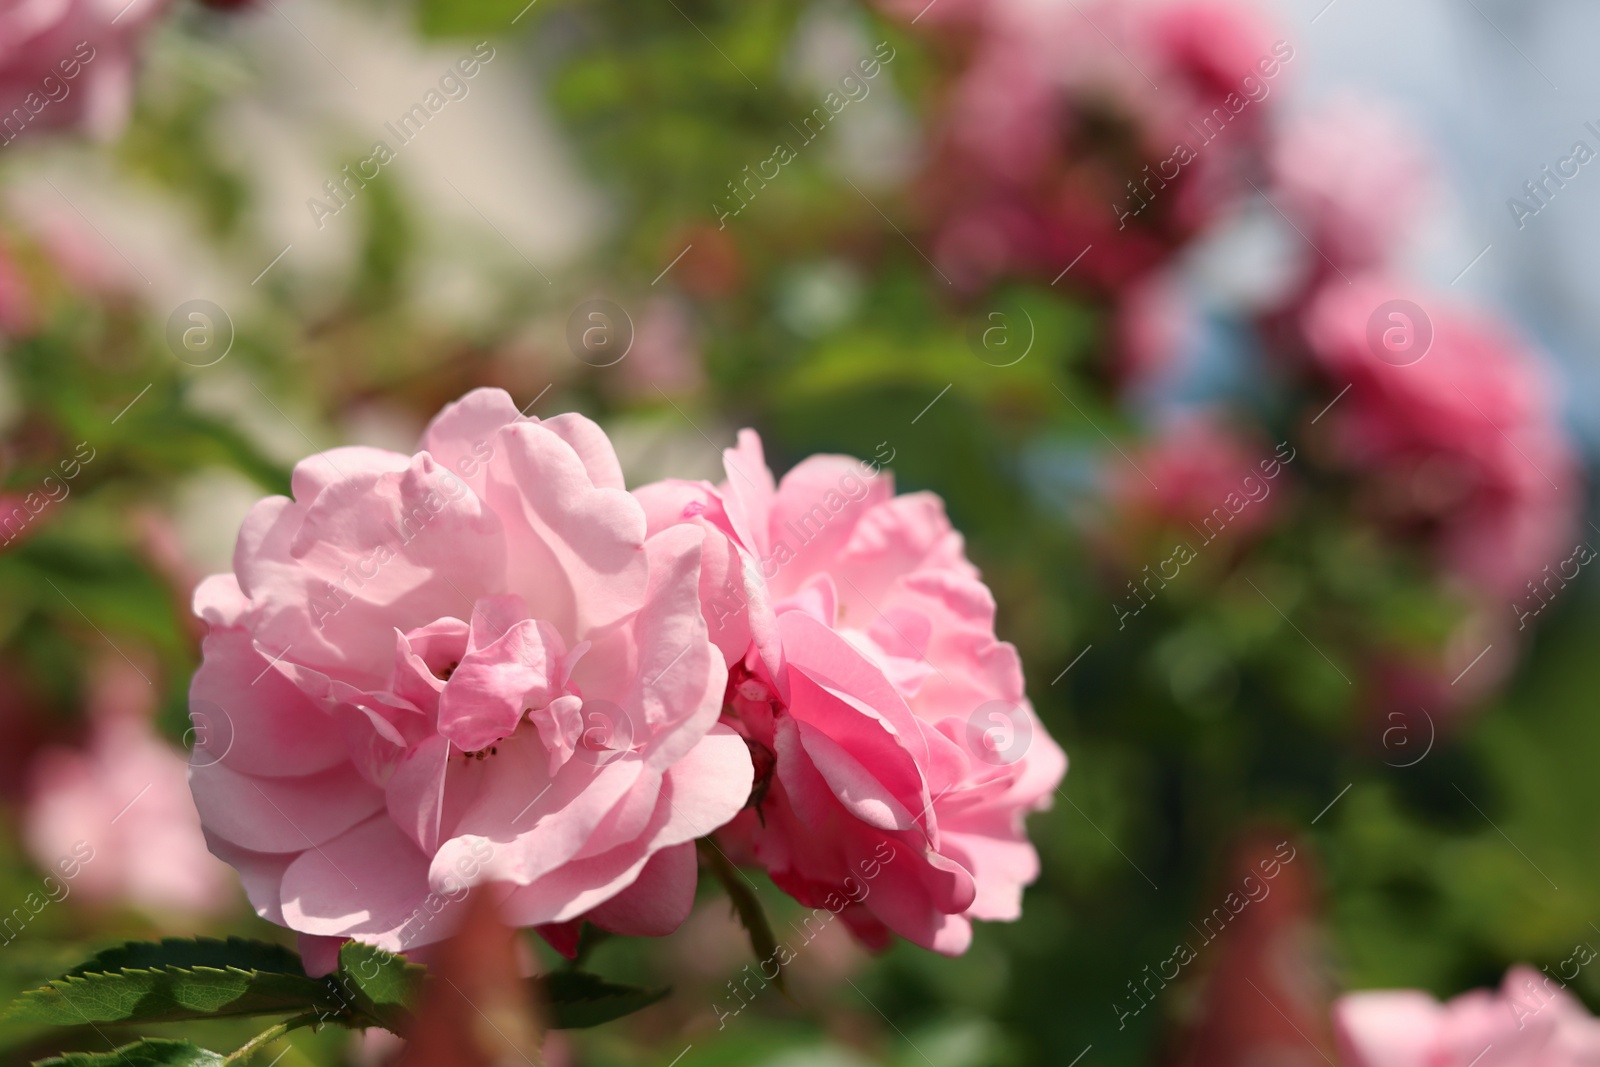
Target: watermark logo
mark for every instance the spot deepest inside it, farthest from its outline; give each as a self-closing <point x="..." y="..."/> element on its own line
<point x="999" y="732"/>
<point x="600" y="333"/>
<point x="1404" y="740"/>
<point x="210" y="735"/>
<point x="608" y="733"/>
<point x="1399" y="332"/>
<point x="1002" y="337"/>
<point x="200" y="333"/>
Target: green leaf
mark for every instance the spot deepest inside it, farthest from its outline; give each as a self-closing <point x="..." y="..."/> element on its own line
<point x="382" y="986"/>
<point x="174" y="980"/>
<point x="152" y="1052"/>
<point x="194" y="952"/>
<point x="574" y="1000"/>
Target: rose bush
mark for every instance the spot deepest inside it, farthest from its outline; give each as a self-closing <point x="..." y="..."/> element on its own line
<point x="466" y="665"/>
<point x="897" y="754"/>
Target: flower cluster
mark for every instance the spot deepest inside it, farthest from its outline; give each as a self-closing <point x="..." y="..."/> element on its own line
<point x="489" y="663"/>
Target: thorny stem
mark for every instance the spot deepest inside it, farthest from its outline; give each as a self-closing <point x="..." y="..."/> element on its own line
<point x="745" y="904"/>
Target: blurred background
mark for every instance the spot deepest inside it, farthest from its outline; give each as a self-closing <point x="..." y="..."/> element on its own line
<point x="1250" y="346"/>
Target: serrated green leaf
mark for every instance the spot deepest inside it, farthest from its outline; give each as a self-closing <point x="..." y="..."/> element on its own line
<point x="175" y="980"/>
<point x="169" y="995"/>
<point x="235" y="952"/>
<point x="382" y="986"/>
<point x="574" y="1000"/>
<point x="152" y="1052"/>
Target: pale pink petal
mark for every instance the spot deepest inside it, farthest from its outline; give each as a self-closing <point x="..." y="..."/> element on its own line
<point x="749" y="493"/>
<point x="281" y="814"/>
<point x="252" y="719"/>
<point x="261" y="873"/>
<point x="699" y="794"/>
<point x="660" y="899"/>
<point x="575" y="550"/>
<point x="414" y="796"/>
<point x="219" y="601"/>
<point x="592" y="445"/>
<point x="815" y="512"/>
<point x="464" y="436"/>
<point x="331" y="581"/>
<point x="487" y="695"/>
<point x="549" y="825"/>
<point x="316" y="473"/>
<point x="366" y="883"/>
<point x="1392" y="1029"/>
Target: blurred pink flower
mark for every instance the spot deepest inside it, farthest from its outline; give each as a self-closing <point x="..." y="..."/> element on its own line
<point x="1464" y="446"/>
<point x="1353" y="177"/>
<point x="664" y="355"/>
<point x="461" y="666"/>
<point x="69" y="63"/>
<point x="1531" y="1022"/>
<point x="73" y="248"/>
<point x="897" y="754"/>
<point x="1056" y="141"/>
<point x="1210" y="46"/>
<point x="1197" y="474"/>
<point x="126" y="796"/>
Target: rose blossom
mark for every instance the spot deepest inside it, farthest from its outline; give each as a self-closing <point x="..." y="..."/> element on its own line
<point x="469" y="664"/>
<point x="897" y="753"/>
<point x="1531" y="1022"/>
<point x="69" y="63"/>
<point x="1462" y="446"/>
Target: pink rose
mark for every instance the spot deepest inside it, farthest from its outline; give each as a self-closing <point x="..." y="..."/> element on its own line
<point x="1531" y="1022"/>
<point x="665" y="354"/>
<point x="1463" y="446"/>
<point x="69" y="63"/>
<point x="897" y="752"/>
<point x="466" y="665"/>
